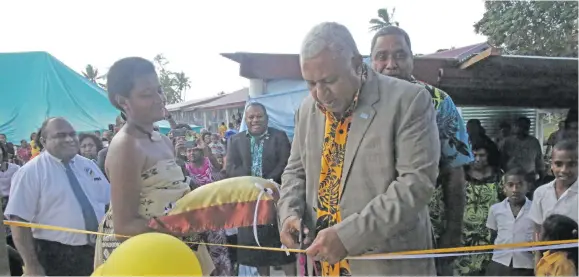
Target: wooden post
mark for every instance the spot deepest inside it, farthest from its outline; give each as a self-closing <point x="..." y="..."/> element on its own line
<point x="4" y="265"/>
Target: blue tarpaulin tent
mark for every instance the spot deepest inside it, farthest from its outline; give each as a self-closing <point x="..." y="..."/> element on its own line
<point x="35" y="86"/>
<point x="282" y="99"/>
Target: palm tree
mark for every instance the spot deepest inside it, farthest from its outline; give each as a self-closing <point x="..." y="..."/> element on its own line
<point x="182" y="81"/>
<point x="92" y="74"/>
<point x="384" y="19"/>
<point x="174" y="84"/>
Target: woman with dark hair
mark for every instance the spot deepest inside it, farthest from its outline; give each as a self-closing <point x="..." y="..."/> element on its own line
<point x="90" y="145"/>
<point x="145" y="179"/>
<point x="483" y="189"/>
<point x="477" y="135"/>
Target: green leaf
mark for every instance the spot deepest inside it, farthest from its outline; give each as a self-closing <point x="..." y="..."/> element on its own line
<point x="546" y="28"/>
<point x="384" y="19"/>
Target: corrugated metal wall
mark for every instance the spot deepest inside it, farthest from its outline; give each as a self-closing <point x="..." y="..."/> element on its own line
<point x="491" y="117"/>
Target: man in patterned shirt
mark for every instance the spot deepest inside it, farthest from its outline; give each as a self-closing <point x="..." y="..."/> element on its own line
<point x="392" y="56"/>
<point x="363" y="163"/>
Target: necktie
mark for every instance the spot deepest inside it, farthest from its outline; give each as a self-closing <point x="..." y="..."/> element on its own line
<point x="88" y="213"/>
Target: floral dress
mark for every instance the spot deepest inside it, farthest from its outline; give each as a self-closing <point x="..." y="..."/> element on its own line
<point x="480" y="196"/>
<point x="162" y="186"/>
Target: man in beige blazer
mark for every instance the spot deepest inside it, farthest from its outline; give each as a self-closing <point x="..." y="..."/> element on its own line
<point x="389" y="163"/>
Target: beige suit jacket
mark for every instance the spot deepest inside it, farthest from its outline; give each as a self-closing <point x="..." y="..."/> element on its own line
<point x="390" y="170"/>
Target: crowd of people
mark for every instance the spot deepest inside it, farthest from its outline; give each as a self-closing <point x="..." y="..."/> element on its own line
<point x="377" y="164"/>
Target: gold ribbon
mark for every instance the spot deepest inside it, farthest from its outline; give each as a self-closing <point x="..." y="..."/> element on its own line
<point x="367" y="256"/>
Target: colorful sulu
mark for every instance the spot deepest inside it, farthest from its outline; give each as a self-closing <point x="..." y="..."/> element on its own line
<point x="151" y="254"/>
<point x="230" y="203"/>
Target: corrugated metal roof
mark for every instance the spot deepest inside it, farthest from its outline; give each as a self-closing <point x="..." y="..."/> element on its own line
<point x="239" y="96"/>
<point x="177" y="106"/>
<point x="540" y="57"/>
<point x="459" y="53"/>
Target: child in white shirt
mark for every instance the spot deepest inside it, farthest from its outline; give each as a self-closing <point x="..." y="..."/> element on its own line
<point x="509" y="222"/>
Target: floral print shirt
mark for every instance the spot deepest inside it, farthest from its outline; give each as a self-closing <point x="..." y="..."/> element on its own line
<point x="256" y="148"/>
<point x="455" y="148"/>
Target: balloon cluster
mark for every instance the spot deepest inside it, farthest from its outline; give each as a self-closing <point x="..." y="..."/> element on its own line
<point x="151" y="254"/>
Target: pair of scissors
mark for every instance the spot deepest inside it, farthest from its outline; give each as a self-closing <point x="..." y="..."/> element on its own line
<point x="301" y="236"/>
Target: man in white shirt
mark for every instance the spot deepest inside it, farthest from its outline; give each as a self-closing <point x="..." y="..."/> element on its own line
<point x="58" y="188"/>
<point x="509" y="222"/>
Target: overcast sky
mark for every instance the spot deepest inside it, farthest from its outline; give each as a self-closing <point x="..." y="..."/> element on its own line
<point x="191" y="34"/>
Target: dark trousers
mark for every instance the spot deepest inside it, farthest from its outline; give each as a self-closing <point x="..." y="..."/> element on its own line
<point x="497" y="269"/>
<point x="59" y="259"/>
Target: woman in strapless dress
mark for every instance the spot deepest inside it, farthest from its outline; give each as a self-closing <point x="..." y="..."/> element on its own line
<point x="145" y="179"/>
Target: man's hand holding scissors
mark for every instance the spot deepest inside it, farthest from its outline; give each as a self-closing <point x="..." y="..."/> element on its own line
<point x="294" y="233"/>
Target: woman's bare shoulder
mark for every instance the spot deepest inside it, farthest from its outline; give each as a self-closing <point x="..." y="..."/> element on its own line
<point x="123" y="147"/>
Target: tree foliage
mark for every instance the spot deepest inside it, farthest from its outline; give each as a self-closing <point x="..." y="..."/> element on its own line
<point x="384" y="19"/>
<point x="540" y="28"/>
<point x="92" y="74"/>
<point x="174" y="84"/>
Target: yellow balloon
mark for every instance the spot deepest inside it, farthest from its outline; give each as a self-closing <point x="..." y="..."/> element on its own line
<point x="151" y="254"/>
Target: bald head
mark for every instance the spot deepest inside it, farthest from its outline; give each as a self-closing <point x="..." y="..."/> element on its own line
<point x="59" y="138"/>
<point x="50" y="122"/>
